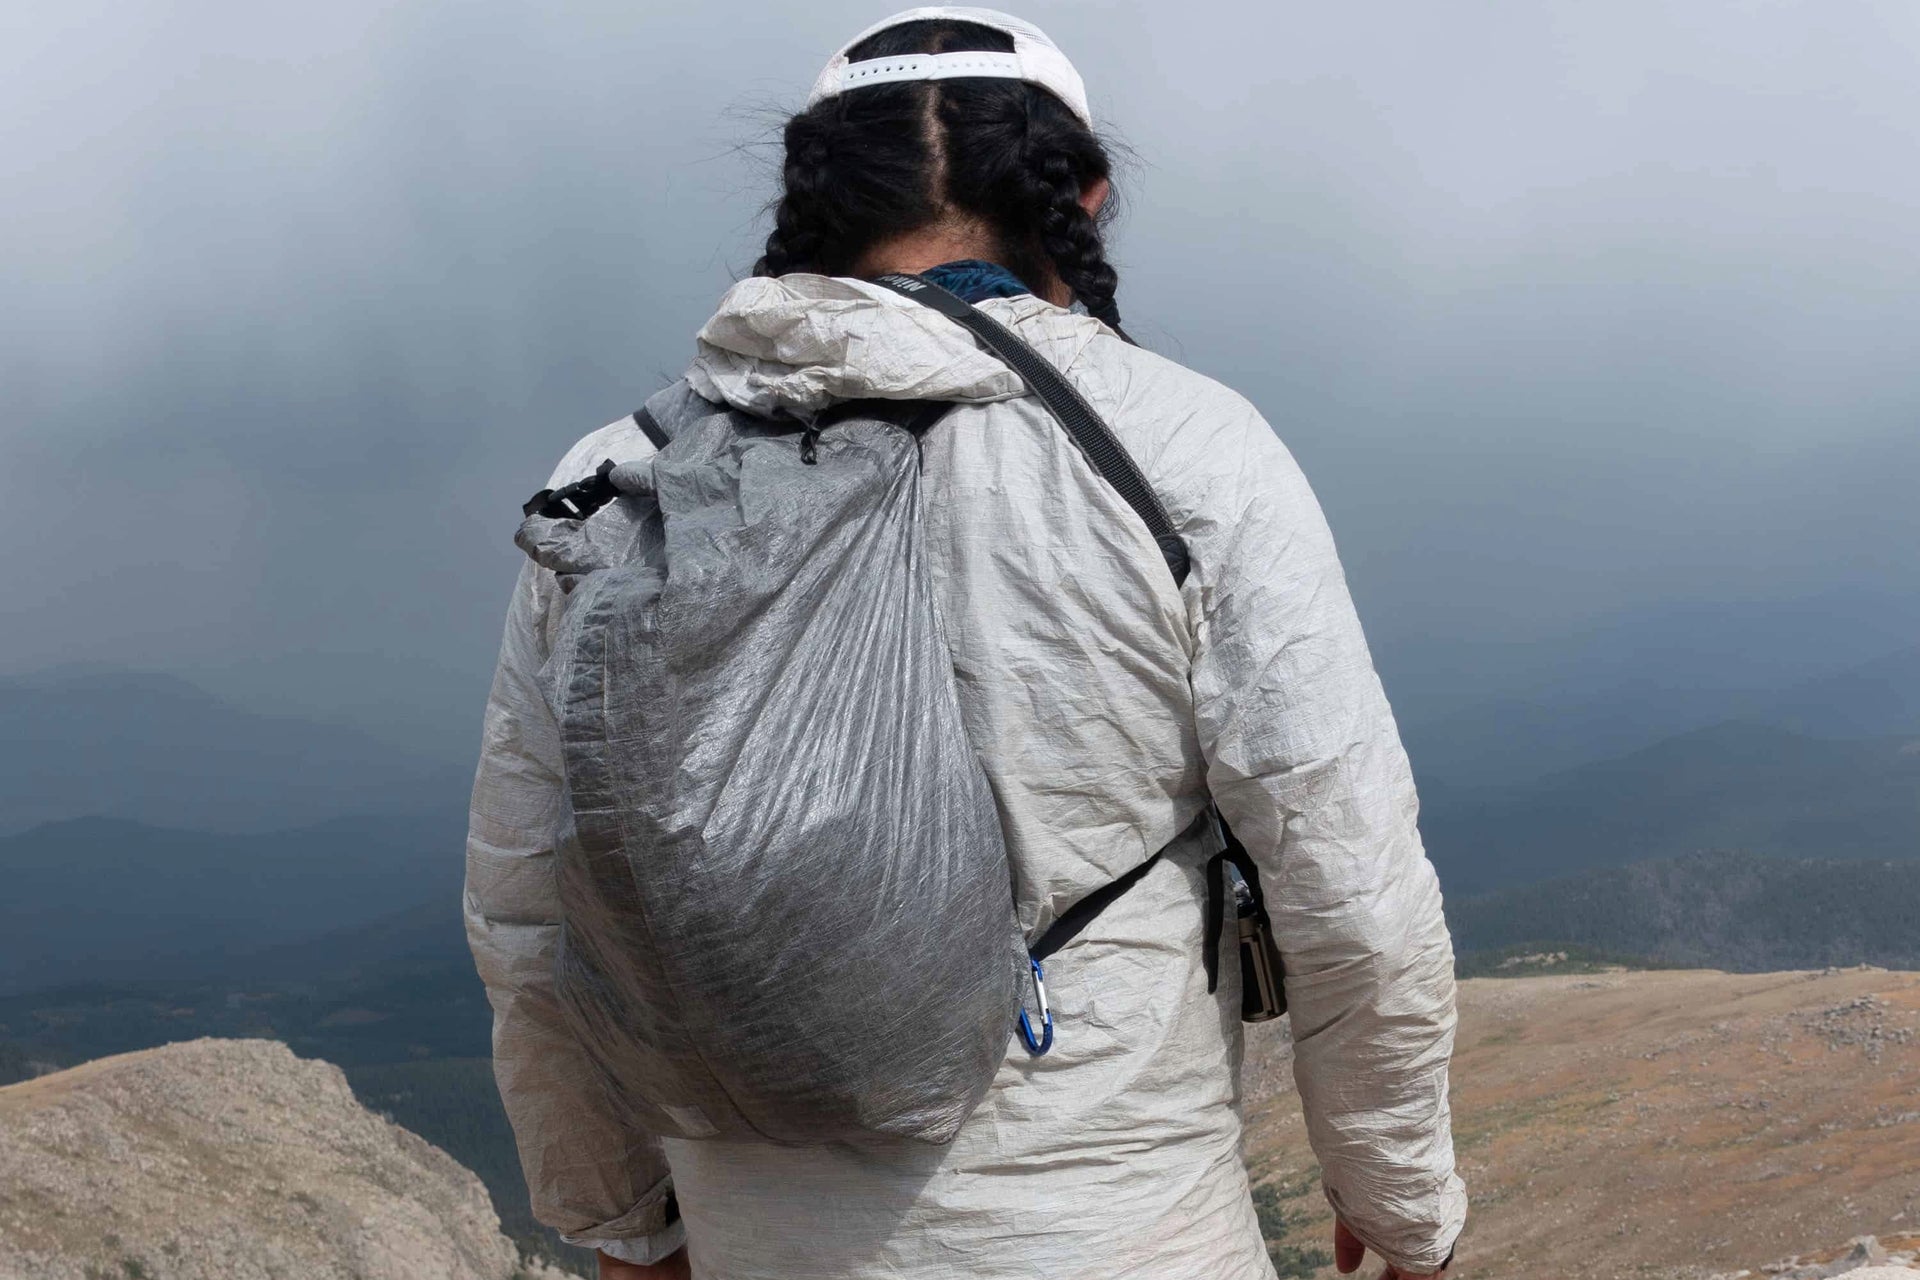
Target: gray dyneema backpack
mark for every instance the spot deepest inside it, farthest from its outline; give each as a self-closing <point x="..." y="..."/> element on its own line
<point x="786" y="901"/>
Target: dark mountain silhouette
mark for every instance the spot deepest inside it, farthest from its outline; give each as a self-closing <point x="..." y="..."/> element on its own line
<point x="157" y="750"/>
<point x="99" y="898"/>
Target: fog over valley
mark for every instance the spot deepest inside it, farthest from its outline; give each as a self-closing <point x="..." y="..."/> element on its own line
<point x="1592" y="326"/>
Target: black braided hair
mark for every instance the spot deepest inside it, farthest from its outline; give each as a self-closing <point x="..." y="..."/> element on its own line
<point x="884" y="160"/>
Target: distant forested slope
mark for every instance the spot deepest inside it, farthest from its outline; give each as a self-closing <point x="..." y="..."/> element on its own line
<point x="99" y="899"/>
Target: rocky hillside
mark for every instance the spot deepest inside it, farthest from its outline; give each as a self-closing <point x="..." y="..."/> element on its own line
<point x="1660" y="1126"/>
<point x="230" y="1160"/>
<point x="1679" y="1125"/>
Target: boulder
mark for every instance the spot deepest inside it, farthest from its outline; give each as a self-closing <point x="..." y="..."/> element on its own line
<point x="231" y="1160"/>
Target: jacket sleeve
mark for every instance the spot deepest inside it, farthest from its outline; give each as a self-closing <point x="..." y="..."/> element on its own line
<point x="597" y="1182"/>
<point x="1305" y="763"/>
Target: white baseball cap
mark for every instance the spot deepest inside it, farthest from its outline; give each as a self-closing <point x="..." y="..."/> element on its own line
<point x="1035" y="59"/>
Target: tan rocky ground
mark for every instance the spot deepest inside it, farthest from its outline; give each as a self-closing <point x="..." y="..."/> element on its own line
<point x="230" y="1160"/>
<point x="1660" y="1125"/>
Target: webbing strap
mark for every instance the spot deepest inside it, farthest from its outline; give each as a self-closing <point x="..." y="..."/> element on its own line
<point x="583" y="497"/>
<point x="1095" y="438"/>
<point x="1083" y="913"/>
<point x="1110" y="459"/>
<point x="576" y="501"/>
<point x="650" y="428"/>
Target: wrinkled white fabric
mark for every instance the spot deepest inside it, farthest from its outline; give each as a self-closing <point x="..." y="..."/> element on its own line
<point x="1106" y="705"/>
<point x="774" y="351"/>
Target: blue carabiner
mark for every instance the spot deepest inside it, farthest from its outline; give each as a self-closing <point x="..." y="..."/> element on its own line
<point x="1037" y="1045"/>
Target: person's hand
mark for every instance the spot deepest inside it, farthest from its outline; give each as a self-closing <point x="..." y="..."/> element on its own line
<point x="672" y="1267"/>
<point x="1348" y="1253"/>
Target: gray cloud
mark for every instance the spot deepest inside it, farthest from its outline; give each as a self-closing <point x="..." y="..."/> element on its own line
<point x="1568" y="309"/>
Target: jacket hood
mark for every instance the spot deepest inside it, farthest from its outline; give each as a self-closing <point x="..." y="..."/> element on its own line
<point x="796" y="344"/>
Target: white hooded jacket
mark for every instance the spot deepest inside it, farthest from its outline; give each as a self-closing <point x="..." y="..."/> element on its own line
<point x="1107" y="705"/>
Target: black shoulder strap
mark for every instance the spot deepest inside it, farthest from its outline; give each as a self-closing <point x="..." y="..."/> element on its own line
<point x="651" y="428"/>
<point x="1084" y="912"/>
<point x="1096" y="440"/>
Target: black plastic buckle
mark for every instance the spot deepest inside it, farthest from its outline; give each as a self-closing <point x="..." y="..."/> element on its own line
<point x="576" y="501"/>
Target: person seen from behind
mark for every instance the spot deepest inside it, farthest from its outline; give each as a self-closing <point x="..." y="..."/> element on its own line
<point x="1131" y="696"/>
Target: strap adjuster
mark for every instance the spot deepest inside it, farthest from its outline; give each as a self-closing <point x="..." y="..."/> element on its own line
<point x="576" y="501"/>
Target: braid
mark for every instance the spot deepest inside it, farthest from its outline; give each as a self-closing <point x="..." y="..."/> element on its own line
<point x="804" y="221"/>
<point x="1071" y="238"/>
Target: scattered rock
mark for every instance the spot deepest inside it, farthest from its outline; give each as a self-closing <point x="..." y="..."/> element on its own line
<point x="1537" y="960"/>
<point x="1858" y="1023"/>
<point x="1863" y="1259"/>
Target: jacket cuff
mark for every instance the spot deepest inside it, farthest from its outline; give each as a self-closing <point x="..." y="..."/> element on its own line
<point x="648" y="1232"/>
<point x="639" y="1250"/>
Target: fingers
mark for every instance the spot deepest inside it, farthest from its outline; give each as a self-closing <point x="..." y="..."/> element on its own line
<point x="674" y="1267"/>
<point x="1349" y="1253"/>
<point x="1347" y="1249"/>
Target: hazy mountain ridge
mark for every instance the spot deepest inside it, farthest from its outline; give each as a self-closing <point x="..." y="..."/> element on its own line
<point x="1513" y="740"/>
<point x="1736" y="911"/>
<point x="181" y="903"/>
<point x="428" y="937"/>
<point x="100" y="899"/>
<point x="1840" y="665"/>
<point x="1736" y="785"/>
<point x="157" y="750"/>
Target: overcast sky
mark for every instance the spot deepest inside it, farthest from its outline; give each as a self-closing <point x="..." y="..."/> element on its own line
<point x="1569" y="309"/>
